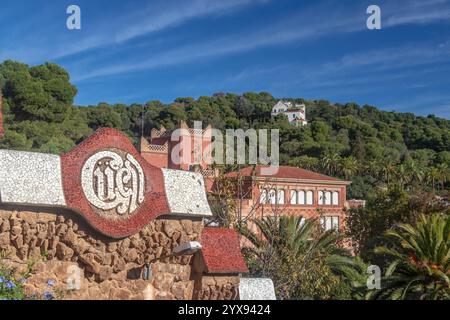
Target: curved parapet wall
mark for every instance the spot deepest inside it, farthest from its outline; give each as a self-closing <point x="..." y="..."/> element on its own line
<point x="30" y="178"/>
<point x="106" y="181"/>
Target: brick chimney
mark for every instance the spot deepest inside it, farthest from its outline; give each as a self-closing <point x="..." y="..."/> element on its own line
<point x="2" y="132"/>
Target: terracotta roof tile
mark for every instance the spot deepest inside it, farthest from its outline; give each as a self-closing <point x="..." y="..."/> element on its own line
<point x="221" y="251"/>
<point x="285" y="172"/>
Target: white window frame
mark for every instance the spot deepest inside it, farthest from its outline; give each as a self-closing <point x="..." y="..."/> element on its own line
<point x="329" y="223"/>
<point x="309" y="198"/>
<point x="335" y="197"/>
<point x="272" y="198"/>
<point x="294" y="197"/>
<point x="301" y="196"/>
<point x="335" y="222"/>
<point x="263" y="196"/>
<point x="281" y="196"/>
<point x="321" y="197"/>
<point x="327" y="195"/>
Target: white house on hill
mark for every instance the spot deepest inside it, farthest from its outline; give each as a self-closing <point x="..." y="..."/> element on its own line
<point x="296" y="114"/>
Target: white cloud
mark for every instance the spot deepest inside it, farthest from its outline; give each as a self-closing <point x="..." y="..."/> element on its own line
<point x="416" y="12"/>
<point x="157" y="18"/>
<point x="148" y="19"/>
<point x="297" y="27"/>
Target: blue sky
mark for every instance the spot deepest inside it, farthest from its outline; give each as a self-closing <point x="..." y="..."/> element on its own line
<point x="136" y="51"/>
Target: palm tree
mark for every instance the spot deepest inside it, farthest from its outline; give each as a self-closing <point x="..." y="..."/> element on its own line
<point x="330" y="163"/>
<point x="415" y="171"/>
<point x="295" y="233"/>
<point x="443" y="174"/>
<point x="353" y="271"/>
<point x="432" y="176"/>
<point x="387" y="170"/>
<point x="373" y="167"/>
<point x="403" y="175"/>
<point x="294" y="253"/>
<point x="348" y="167"/>
<point x="420" y="260"/>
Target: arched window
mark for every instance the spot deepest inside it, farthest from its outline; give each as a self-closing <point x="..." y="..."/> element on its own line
<point x="263" y="196"/>
<point x="301" y="197"/>
<point x="328" y="198"/>
<point x="294" y="195"/>
<point x="321" y="197"/>
<point x="280" y="199"/>
<point x="335" y="198"/>
<point x="309" y="197"/>
<point x="272" y="196"/>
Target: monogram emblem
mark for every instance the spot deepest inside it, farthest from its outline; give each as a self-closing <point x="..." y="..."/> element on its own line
<point x="113" y="182"/>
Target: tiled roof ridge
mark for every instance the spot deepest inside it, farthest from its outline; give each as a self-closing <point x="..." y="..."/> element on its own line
<point x="287" y="172"/>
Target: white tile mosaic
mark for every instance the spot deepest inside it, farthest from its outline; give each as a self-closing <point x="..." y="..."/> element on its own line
<point x="30" y="178"/>
<point x="186" y="193"/>
<point x="256" y="289"/>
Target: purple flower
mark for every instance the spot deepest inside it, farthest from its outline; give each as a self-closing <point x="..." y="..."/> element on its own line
<point x="2" y="279"/>
<point x="10" y="284"/>
<point x="50" y="282"/>
<point x="48" y="295"/>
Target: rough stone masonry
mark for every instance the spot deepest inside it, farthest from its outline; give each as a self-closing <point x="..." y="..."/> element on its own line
<point x="59" y="242"/>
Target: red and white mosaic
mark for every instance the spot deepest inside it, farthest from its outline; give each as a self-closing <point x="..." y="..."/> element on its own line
<point x="105" y="180"/>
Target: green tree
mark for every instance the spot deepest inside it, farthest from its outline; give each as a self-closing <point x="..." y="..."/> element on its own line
<point x="38" y="93"/>
<point x="294" y="253"/>
<point x="330" y="163"/>
<point x="384" y="209"/>
<point x="348" y="167"/>
<point x="419" y="260"/>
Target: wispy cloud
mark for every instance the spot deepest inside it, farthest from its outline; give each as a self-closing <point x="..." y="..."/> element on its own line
<point x="312" y="23"/>
<point x="151" y="18"/>
<point x="157" y="18"/>
<point x="297" y="27"/>
<point x="417" y="12"/>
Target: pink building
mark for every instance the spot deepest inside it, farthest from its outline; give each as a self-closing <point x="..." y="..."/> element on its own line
<point x="293" y="191"/>
<point x="182" y="149"/>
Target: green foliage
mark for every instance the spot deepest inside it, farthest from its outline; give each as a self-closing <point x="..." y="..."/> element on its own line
<point x="38" y="108"/>
<point x="11" y="288"/>
<point x="37" y="93"/>
<point x="301" y="258"/>
<point x="386" y="208"/>
<point x="419" y="259"/>
<point x="362" y="144"/>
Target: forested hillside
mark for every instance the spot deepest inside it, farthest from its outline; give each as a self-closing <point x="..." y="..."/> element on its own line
<point x="361" y="143"/>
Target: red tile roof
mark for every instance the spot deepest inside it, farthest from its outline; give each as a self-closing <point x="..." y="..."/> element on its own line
<point x="285" y="172"/>
<point x="221" y="251"/>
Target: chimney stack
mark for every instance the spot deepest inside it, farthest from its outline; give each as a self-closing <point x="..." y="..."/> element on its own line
<point x="2" y="132"/>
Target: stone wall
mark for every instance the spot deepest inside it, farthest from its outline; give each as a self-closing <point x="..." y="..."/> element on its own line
<point x="217" y="288"/>
<point x="59" y="245"/>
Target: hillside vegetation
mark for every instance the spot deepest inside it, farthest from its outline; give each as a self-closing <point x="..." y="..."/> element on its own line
<point x="361" y="143"/>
